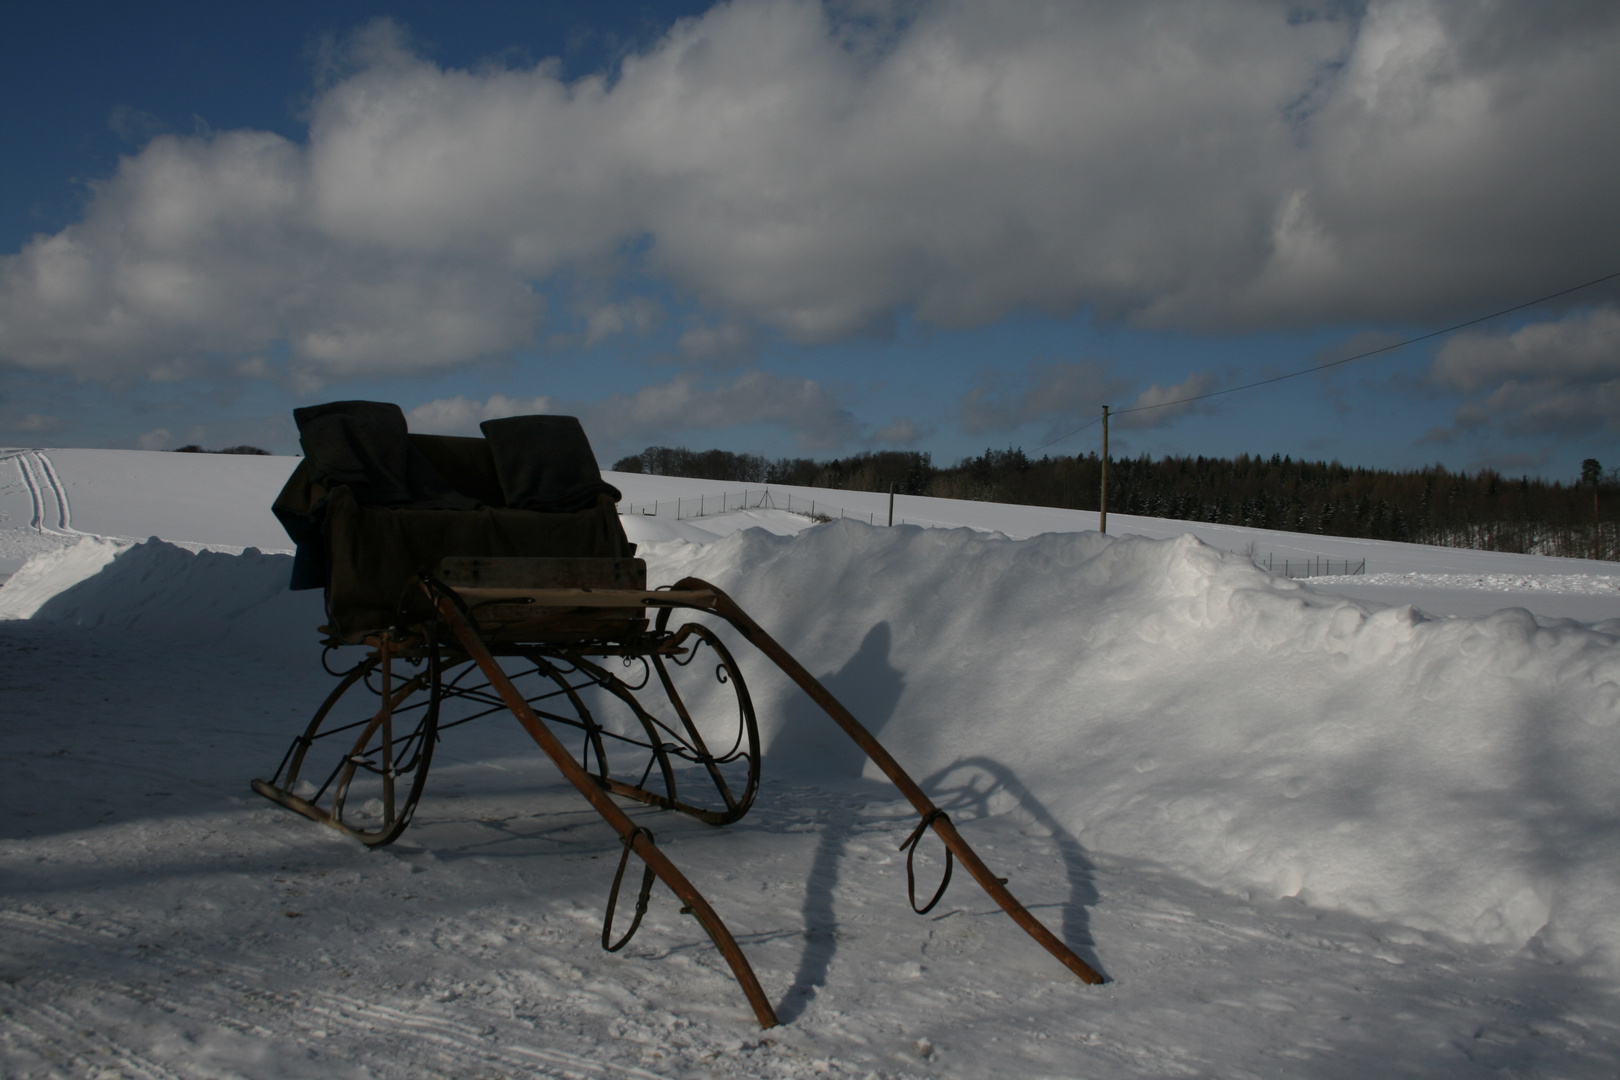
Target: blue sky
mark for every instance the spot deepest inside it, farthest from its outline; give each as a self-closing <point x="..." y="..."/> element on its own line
<point x="798" y="228"/>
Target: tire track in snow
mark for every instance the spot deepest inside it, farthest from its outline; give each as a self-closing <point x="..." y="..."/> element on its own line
<point x="37" y="522"/>
<point x="39" y="476"/>
<point x="59" y="1038"/>
<point x="464" y="1037"/>
<point x="64" y="509"/>
<point x="236" y="997"/>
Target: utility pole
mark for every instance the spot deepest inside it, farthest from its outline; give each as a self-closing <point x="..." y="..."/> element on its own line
<point x="1103" y="518"/>
<point x="891" y="504"/>
<point x="1592" y="472"/>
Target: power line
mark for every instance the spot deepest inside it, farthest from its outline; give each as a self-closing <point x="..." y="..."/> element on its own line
<point x="1358" y="356"/>
<point x="1060" y="438"/>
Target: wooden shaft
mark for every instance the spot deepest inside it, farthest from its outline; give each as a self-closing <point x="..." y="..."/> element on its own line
<point x="609" y="810"/>
<point x="726" y="608"/>
<point x="544" y="598"/>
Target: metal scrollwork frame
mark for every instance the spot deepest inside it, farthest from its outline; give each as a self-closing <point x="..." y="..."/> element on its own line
<point x="394" y="735"/>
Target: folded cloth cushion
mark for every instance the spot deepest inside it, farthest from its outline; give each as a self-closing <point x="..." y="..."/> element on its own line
<point x="364" y="446"/>
<point x="465" y="462"/>
<point x="545" y="463"/>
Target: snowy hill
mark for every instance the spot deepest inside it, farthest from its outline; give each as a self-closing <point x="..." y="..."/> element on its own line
<point x="222" y="502"/>
<point x="1298" y="832"/>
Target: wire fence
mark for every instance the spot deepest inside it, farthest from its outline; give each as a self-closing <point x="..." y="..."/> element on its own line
<point x="1314" y="566"/>
<point x="704" y="505"/>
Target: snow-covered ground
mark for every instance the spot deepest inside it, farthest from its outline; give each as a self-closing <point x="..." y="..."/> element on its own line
<point x="1302" y="835"/>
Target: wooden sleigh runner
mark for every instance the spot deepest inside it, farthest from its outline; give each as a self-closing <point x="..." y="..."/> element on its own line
<point x="570" y="643"/>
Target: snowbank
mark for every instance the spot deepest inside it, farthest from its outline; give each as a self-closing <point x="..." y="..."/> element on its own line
<point x="647" y="529"/>
<point x="1162" y="699"/>
<point x="165" y="591"/>
<point x="49" y="573"/>
<point x="1172" y="702"/>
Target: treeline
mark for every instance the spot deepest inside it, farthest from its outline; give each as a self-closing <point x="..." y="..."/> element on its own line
<point x="1431" y="505"/>
<point x="912" y="471"/>
<point x="193" y="448"/>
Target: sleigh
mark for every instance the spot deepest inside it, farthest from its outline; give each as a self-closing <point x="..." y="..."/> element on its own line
<point x="481" y="578"/>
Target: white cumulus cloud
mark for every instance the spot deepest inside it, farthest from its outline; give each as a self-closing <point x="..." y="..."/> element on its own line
<point x="668" y="411"/>
<point x="1557" y="377"/>
<point x="783" y="168"/>
<point x="461" y="416"/>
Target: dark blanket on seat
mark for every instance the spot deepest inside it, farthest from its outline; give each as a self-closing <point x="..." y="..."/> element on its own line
<point x="545" y="463"/>
<point x="370" y="506"/>
<point x="364" y="446"/>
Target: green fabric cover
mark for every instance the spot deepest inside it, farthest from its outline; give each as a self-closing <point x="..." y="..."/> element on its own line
<point x="374" y="551"/>
<point x="363" y="554"/>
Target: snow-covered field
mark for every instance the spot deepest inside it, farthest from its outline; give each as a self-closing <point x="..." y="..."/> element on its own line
<point x="1361" y="826"/>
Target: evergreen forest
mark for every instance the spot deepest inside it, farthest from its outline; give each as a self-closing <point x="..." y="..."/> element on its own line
<point x="1430" y="505"/>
